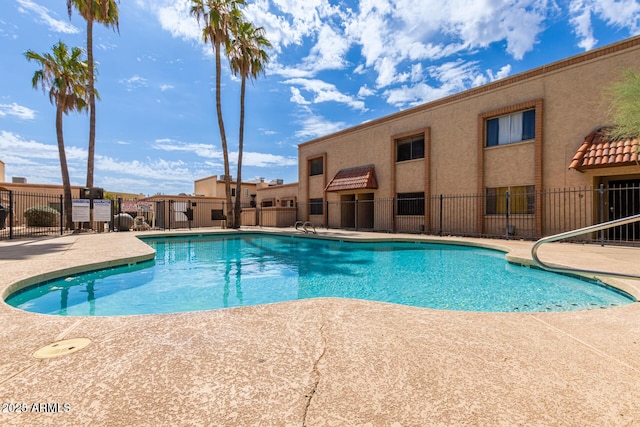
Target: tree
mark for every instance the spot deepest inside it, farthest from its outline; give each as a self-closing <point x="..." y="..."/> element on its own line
<point x="65" y="75"/>
<point x="104" y="12"/>
<point x="247" y="57"/>
<point x="625" y="106"/>
<point x="217" y="18"/>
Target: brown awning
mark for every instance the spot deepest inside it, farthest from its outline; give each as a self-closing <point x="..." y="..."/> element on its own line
<point x="357" y="178"/>
<point x="598" y="151"/>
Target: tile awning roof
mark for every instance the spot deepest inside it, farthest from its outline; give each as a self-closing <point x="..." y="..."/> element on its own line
<point x="357" y="178"/>
<point x="599" y="151"/>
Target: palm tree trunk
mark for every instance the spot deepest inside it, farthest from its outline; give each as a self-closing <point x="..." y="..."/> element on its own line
<point x="236" y="219"/>
<point x="223" y="137"/>
<point x="92" y="105"/>
<point x="66" y="183"/>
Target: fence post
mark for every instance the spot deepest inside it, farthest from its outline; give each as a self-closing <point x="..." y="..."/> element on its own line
<point x="171" y="208"/>
<point x="507" y="215"/>
<point x="601" y="190"/>
<point x="11" y="215"/>
<point x="326" y="214"/>
<point x="61" y="218"/>
<point x="440" y="220"/>
<point x="356" y="213"/>
<point x="393" y="214"/>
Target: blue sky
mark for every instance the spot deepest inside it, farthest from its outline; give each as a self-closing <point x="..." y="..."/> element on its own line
<point x="334" y="64"/>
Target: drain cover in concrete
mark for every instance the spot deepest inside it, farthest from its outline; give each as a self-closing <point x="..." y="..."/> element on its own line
<point x="61" y="348"/>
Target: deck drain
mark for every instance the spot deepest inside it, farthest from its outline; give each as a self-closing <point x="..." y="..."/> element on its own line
<point x="61" y="348"/>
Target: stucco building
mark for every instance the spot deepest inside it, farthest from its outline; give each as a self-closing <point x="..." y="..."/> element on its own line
<point x="516" y="136"/>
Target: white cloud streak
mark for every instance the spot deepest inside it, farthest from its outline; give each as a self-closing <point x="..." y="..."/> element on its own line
<point x="134" y="82"/>
<point x="18" y="111"/>
<point x="323" y="91"/>
<point x="45" y="16"/>
<point x="615" y="13"/>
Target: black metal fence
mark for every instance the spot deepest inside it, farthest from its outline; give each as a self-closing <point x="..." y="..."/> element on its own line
<point x="30" y="215"/>
<point x="510" y="216"/>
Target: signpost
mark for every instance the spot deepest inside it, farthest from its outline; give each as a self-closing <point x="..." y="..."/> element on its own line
<point x="102" y="210"/>
<point x="81" y="210"/>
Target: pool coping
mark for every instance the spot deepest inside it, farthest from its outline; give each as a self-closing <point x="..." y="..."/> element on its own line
<point x="322" y="361"/>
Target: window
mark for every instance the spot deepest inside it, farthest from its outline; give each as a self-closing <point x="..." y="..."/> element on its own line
<point x="522" y="200"/>
<point x="267" y="203"/>
<point x="410" y="203"/>
<point x="315" y="207"/>
<point x="410" y="148"/>
<point x="315" y="166"/>
<point x="288" y="203"/>
<point x="233" y="192"/>
<point x="246" y="193"/>
<point x="217" y="215"/>
<point x="511" y="128"/>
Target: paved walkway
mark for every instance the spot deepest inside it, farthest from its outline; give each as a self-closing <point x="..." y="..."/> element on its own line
<point x="321" y="362"/>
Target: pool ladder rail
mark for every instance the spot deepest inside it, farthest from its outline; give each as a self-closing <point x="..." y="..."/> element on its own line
<point x="304" y="225"/>
<point x="579" y="232"/>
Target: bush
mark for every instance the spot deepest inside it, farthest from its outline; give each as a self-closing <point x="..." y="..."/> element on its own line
<point x="42" y="216"/>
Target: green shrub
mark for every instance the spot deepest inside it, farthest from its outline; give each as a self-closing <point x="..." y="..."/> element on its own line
<point x="42" y="216"/>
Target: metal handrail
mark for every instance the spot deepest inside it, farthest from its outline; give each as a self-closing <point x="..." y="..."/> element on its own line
<point x="578" y="232"/>
<point x="304" y="226"/>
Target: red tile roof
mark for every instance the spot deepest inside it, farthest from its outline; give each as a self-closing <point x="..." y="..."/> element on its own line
<point x="359" y="177"/>
<point x="598" y="151"/>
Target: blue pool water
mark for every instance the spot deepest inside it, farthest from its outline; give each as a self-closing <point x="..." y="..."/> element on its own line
<point x="209" y="272"/>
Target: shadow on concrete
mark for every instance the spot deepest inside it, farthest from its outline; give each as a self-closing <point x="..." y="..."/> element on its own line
<point x="22" y="250"/>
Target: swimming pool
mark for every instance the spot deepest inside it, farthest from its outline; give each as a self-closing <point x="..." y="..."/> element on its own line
<point x="210" y="272"/>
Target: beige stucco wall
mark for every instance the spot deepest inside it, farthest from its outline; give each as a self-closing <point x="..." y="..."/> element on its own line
<point x="213" y="187"/>
<point x="572" y="105"/>
<point x="207" y="187"/>
<point x="509" y="165"/>
<point x="277" y="193"/>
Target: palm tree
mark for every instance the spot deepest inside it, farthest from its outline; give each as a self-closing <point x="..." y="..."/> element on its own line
<point x="247" y="58"/>
<point x="65" y="75"/>
<point x="104" y="12"/>
<point x="217" y="18"/>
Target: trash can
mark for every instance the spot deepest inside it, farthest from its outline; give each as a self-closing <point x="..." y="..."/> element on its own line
<point x="4" y="213"/>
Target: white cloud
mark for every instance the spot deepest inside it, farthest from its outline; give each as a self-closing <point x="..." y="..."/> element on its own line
<point x="297" y="98"/>
<point x="289" y="22"/>
<point x="263" y="160"/>
<point x="365" y="91"/>
<point x="501" y="74"/>
<point x="134" y="82"/>
<point x="211" y="152"/>
<point x="324" y="92"/>
<point x="615" y="13"/>
<point x="157" y="170"/>
<point x="329" y="53"/>
<point x="201" y="150"/>
<point x="452" y="77"/>
<point x="40" y="162"/>
<point x="30" y="149"/>
<point x="316" y="126"/>
<point x="174" y="17"/>
<point x="394" y="35"/>
<point x="165" y="87"/>
<point x="18" y="111"/>
<point x="45" y="16"/>
<point x="267" y="132"/>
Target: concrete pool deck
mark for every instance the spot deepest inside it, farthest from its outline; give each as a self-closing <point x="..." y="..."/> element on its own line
<point x="321" y="362"/>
